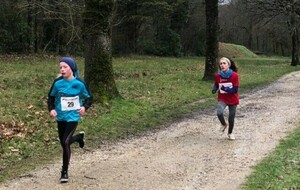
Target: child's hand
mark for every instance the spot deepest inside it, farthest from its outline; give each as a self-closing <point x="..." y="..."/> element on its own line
<point x="81" y="111"/>
<point x="53" y="113"/>
<point x="220" y="86"/>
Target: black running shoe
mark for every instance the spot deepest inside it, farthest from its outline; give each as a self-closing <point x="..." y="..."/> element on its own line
<point x="81" y="140"/>
<point x="64" y="177"/>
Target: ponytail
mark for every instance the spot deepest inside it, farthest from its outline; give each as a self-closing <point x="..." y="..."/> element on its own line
<point x="233" y="65"/>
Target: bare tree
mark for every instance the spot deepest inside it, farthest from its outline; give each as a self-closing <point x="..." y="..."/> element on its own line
<point x="271" y="10"/>
<point x="52" y="23"/>
<point x="234" y="16"/>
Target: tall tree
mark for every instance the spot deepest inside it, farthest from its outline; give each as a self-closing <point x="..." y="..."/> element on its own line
<point x="295" y="36"/>
<point x="97" y="23"/>
<point x="212" y="49"/>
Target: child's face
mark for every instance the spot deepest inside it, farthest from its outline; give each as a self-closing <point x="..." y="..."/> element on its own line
<point x="65" y="70"/>
<point x="223" y="65"/>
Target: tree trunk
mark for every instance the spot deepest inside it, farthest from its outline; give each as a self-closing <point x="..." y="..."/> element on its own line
<point x="295" y="41"/>
<point x="212" y="48"/>
<point x="97" y="45"/>
<point x="295" y="48"/>
<point x="30" y="25"/>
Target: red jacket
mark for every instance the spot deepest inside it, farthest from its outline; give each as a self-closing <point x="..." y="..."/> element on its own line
<point x="232" y="81"/>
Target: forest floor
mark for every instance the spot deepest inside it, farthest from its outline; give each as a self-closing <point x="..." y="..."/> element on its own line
<point x="188" y="154"/>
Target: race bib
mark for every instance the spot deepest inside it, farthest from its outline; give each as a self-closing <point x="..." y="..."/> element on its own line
<point x="70" y="103"/>
<point x="227" y="84"/>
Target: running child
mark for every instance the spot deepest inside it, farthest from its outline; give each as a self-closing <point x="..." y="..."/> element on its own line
<point x="227" y="84"/>
<point x="68" y="99"/>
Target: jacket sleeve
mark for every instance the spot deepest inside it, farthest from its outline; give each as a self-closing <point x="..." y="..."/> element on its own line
<point x="87" y="103"/>
<point x="215" y="88"/>
<point x="88" y="98"/>
<point x="51" y="99"/>
<point x="216" y="85"/>
<point x="230" y="90"/>
<point x="51" y="102"/>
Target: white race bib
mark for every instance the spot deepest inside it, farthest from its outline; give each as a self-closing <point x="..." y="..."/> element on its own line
<point x="227" y="84"/>
<point x="70" y="103"/>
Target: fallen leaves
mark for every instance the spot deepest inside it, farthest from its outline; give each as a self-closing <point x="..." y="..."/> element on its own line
<point x="13" y="129"/>
<point x="13" y="149"/>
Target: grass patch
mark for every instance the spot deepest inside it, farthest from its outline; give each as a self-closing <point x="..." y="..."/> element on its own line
<point x="155" y="90"/>
<point x="264" y="70"/>
<point x="281" y="169"/>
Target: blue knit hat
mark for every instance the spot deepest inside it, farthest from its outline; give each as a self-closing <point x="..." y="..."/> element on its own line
<point x="72" y="64"/>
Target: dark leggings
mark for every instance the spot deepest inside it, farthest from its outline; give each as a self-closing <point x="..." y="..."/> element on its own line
<point x="220" y="113"/>
<point x="65" y="134"/>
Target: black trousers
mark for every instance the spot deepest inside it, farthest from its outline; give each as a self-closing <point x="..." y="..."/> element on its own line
<point x="220" y="113"/>
<point x="66" y="138"/>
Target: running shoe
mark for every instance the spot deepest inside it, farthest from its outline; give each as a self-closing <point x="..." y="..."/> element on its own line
<point x="64" y="177"/>
<point x="231" y="136"/>
<point x="81" y="140"/>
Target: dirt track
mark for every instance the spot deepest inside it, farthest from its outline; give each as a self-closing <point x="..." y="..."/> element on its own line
<point x="188" y="155"/>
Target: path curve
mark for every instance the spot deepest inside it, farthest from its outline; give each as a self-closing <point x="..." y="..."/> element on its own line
<point x="188" y="155"/>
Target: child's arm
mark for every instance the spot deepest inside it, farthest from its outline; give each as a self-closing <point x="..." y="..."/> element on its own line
<point x="215" y="88"/>
<point x="230" y="90"/>
<point x="87" y="103"/>
<point x="51" y="102"/>
<point x="51" y="106"/>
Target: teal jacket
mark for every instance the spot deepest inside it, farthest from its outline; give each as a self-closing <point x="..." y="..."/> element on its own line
<point x="66" y="97"/>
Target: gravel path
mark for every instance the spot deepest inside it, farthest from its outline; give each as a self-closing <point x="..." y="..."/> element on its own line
<point x="188" y="155"/>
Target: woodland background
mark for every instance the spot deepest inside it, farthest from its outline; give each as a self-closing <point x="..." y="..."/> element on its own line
<point x="149" y="27"/>
<point x="153" y="90"/>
